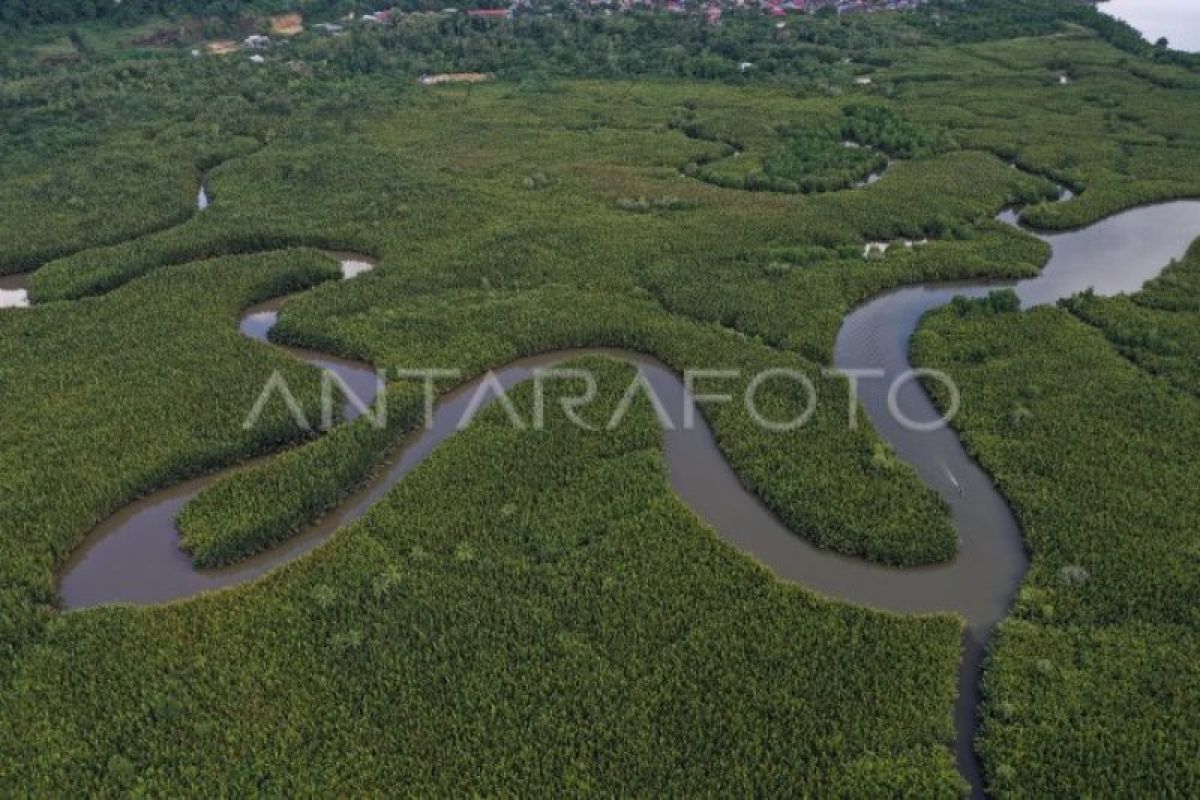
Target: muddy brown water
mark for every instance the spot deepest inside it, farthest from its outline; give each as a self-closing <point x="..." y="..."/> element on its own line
<point x="1115" y="255"/>
<point x="134" y="556"/>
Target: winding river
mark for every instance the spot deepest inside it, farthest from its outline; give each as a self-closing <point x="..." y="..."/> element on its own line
<point x="134" y="555"/>
<point x="1115" y="255"/>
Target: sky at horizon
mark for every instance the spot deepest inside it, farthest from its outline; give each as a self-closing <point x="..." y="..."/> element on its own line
<point x="1178" y="20"/>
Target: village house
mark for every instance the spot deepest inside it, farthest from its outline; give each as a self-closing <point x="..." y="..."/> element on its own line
<point x="222" y="47"/>
<point x="287" y="24"/>
<point x="454" y="77"/>
<point x="490" y="13"/>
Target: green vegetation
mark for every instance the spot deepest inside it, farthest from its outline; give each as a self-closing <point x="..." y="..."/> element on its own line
<point x="1002" y="301"/>
<point x="1155" y="328"/>
<point x="104" y="194"/>
<point x="25" y="12"/>
<point x="249" y="510"/>
<point x="110" y="398"/>
<point x="831" y="149"/>
<point x="1110" y="134"/>
<point x="558" y="622"/>
<point x="1097" y="664"/>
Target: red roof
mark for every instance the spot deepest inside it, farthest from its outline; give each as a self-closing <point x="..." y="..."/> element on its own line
<point x="488" y="12"/>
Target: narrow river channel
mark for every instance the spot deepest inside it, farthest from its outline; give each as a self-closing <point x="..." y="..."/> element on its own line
<point x="1115" y="255"/>
<point x="134" y="555"/>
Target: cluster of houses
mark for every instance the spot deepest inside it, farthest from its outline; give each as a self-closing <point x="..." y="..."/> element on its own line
<point x="291" y="24"/>
<point x="779" y="8"/>
<point x="776" y="8"/>
<point x="389" y="15"/>
<point x="254" y="44"/>
<point x="284" y="25"/>
<point x="712" y="10"/>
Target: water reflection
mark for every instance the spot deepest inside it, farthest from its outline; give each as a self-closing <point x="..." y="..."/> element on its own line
<point x="13" y="291"/>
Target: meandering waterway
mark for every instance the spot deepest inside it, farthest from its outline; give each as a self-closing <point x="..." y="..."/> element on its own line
<point x="1115" y="255"/>
<point x="134" y="556"/>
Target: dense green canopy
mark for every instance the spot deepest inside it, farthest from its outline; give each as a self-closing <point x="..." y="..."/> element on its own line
<point x="536" y="615"/>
